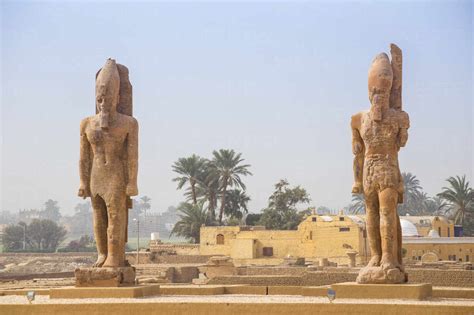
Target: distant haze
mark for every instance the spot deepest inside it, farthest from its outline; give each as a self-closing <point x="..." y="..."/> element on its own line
<point x="277" y="82"/>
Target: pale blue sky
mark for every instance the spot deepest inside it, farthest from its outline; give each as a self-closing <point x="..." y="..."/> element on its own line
<point x="275" y="81"/>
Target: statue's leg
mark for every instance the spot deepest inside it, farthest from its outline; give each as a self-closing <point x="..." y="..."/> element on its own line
<point x="388" y="199"/>
<point x="373" y="228"/>
<point x="100" y="229"/>
<point x="399" y="239"/>
<point x="117" y="207"/>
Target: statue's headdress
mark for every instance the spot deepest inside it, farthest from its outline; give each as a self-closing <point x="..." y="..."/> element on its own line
<point x="115" y="76"/>
<point x="380" y="74"/>
<point x="396" y="93"/>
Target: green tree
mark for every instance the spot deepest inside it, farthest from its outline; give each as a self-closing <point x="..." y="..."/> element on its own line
<point x="253" y="218"/>
<point x="207" y="189"/>
<point x="357" y="205"/>
<point x="191" y="218"/>
<point x="145" y="204"/>
<point x="281" y="213"/>
<point x="412" y="200"/>
<point x="51" y="211"/>
<point x="13" y="237"/>
<point x="460" y="196"/>
<point x="436" y="206"/>
<point x="236" y="203"/>
<point x="189" y="170"/>
<point x="226" y="166"/>
<point x="45" y="235"/>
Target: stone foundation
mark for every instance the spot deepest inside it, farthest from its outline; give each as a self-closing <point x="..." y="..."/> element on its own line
<point x="105" y="277"/>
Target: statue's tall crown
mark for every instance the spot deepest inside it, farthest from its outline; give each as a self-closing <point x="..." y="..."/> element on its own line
<point x="380" y="74"/>
<point x="108" y="78"/>
<point x="125" y="103"/>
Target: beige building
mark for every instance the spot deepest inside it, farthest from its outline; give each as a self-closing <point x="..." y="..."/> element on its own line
<point x="333" y="236"/>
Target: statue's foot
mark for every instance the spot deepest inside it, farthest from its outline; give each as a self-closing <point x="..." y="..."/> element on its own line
<point x="100" y="260"/>
<point x="374" y="261"/>
<point x="112" y="261"/>
<point x="357" y="188"/>
<point x="388" y="262"/>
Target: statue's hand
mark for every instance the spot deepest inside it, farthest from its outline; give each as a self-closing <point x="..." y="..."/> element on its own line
<point x="84" y="192"/>
<point x="131" y="190"/>
<point x="356" y="147"/>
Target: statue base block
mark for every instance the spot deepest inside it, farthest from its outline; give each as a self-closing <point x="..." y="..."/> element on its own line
<point x="376" y="275"/>
<point x="352" y="290"/>
<point x="105" y="277"/>
<point x="104" y="292"/>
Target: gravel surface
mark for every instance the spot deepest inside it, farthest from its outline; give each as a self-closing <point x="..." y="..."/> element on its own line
<point x="12" y="299"/>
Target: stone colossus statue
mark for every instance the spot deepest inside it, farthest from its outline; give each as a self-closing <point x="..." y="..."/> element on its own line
<point x="109" y="162"/>
<point x="377" y="136"/>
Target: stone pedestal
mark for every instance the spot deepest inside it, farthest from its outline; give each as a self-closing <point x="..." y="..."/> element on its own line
<point x="105" y="277"/>
<point x="352" y="290"/>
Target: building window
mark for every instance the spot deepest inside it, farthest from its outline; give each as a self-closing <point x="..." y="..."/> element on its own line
<point x="220" y="239"/>
<point x="313" y="219"/>
<point x="310" y="235"/>
<point x="341" y="218"/>
<point x="414" y="257"/>
<point x="439" y="231"/>
<point x="448" y="233"/>
<point x="454" y="257"/>
<point x="268" y="251"/>
<point x="467" y="257"/>
<point x="344" y="229"/>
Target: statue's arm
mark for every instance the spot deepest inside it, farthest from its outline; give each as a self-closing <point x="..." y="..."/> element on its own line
<point x="132" y="153"/>
<point x="85" y="161"/>
<point x="358" y="151"/>
<point x="403" y="132"/>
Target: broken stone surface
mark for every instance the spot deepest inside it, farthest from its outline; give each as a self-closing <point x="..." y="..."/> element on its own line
<point x="105" y="277"/>
<point x="376" y="275"/>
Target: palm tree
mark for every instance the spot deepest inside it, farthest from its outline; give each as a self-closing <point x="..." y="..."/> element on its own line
<point x="358" y="204"/>
<point x="206" y="189"/>
<point x="460" y="196"/>
<point x="236" y="203"/>
<point x="436" y="206"/>
<point x="227" y="168"/>
<point x="191" y="218"/>
<point x="189" y="168"/>
<point x="411" y="195"/>
<point x="145" y="203"/>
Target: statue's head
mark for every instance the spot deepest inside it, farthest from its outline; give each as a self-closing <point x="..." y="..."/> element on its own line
<point x="107" y="88"/>
<point x="380" y="84"/>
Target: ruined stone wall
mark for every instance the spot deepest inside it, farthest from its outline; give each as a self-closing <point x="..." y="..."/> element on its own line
<point x="442" y="278"/>
<point x="174" y="249"/>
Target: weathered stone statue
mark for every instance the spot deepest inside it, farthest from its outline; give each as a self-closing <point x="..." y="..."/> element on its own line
<point x="108" y="171"/>
<point x="377" y="136"/>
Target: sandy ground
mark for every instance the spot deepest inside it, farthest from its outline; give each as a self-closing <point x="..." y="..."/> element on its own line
<point x="13" y="299"/>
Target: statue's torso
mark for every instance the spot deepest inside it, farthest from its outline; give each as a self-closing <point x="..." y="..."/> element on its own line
<point x="381" y="151"/>
<point x="109" y="155"/>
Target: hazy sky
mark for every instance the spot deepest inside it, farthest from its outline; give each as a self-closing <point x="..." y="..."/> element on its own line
<point x="275" y="81"/>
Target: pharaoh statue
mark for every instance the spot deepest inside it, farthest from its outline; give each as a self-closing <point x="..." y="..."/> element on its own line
<point x="377" y="136"/>
<point x="109" y="163"/>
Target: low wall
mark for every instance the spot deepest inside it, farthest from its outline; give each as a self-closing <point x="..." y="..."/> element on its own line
<point x="155" y="258"/>
<point x="174" y="249"/>
<point x="297" y="276"/>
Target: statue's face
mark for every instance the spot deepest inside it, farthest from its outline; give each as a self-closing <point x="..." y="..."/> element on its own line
<point x="106" y="100"/>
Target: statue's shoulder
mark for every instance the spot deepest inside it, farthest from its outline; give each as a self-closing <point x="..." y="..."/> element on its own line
<point x="403" y="118"/>
<point x="129" y="120"/>
<point x="86" y="122"/>
<point x="356" y="119"/>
